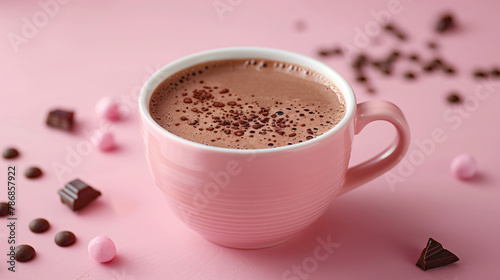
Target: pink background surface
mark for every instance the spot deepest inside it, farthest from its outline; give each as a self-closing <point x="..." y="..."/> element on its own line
<point x="90" y="49"/>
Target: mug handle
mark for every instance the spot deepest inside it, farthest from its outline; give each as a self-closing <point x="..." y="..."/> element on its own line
<point x="367" y="112"/>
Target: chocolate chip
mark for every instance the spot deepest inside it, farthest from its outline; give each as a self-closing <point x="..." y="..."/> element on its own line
<point x="409" y="75"/>
<point x="231" y="103"/>
<point x="324" y="53"/>
<point x="310" y="131"/>
<point x="39" y="225"/>
<point x="453" y="98"/>
<point x="432" y="45"/>
<point x="389" y="27"/>
<point x="479" y="74"/>
<point x="60" y="119"/>
<point x="428" y="68"/>
<point x="239" y="133"/>
<point x="218" y="104"/>
<point x="414" y="57"/>
<point x="224" y="91"/>
<point x="10" y="153"/>
<point x="445" y="23"/>
<point x="188" y="100"/>
<point x="65" y="238"/>
<point x="395" y="31"/>
<point x="361" y="79"/>
<point x="401" y="36"/>
<point x="257" y="126"/>
<point x="183" y="118"/>
<point x="292" y="134"/>
<point x="24" y="253"/>
<point x="449" y="70"/>
<point x="309" y="137"/>
<point x="360" y="61"/>
<point x="33" y="172"/>
<point x="4" y="209"/>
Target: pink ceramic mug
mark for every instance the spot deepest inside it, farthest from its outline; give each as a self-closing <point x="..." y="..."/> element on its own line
<point x="259" y="198"/>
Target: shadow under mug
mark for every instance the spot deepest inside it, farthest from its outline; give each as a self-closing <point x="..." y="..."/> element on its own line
<point x="259" y="198"/>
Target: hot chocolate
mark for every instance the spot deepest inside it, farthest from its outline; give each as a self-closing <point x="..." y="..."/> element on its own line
<point x="247" y="104"/>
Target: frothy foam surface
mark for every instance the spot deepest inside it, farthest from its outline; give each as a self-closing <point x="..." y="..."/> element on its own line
<point x="247" y="104"/>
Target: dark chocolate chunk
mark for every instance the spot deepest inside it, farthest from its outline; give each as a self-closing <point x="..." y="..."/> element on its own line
<point x="4" y="209"/>
<point x="39" y="225"/>
<point x="65" y="238"/>
<point x="10" y="153"/>
<point x="33" y="172"/>
<point x="77" y="194"/>
<point x="434" y="255"/>
<point x="453" y="98"/>
<point x="24" y="253"/>
<point x="60" y="119"/>
<point x="445" y="23"/>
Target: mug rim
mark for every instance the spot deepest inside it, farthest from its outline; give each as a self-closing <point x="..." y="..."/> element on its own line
<point x="242" y="53"/>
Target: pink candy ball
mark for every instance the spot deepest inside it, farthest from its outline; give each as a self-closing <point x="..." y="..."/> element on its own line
<point x="108" y="108"/>
<point x="102" y="249"/>
<point x="464" y="167"/>
<point x="105" y="141"/>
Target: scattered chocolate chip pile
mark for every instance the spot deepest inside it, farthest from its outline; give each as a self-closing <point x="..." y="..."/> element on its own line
<point x="10" y="153"/>
<point x="65" y="238"/>
<point x="363" y="63"/>
<point x="39" y="225"/>
<point x="434" y="255"/>
<point x="33" y="172"/>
